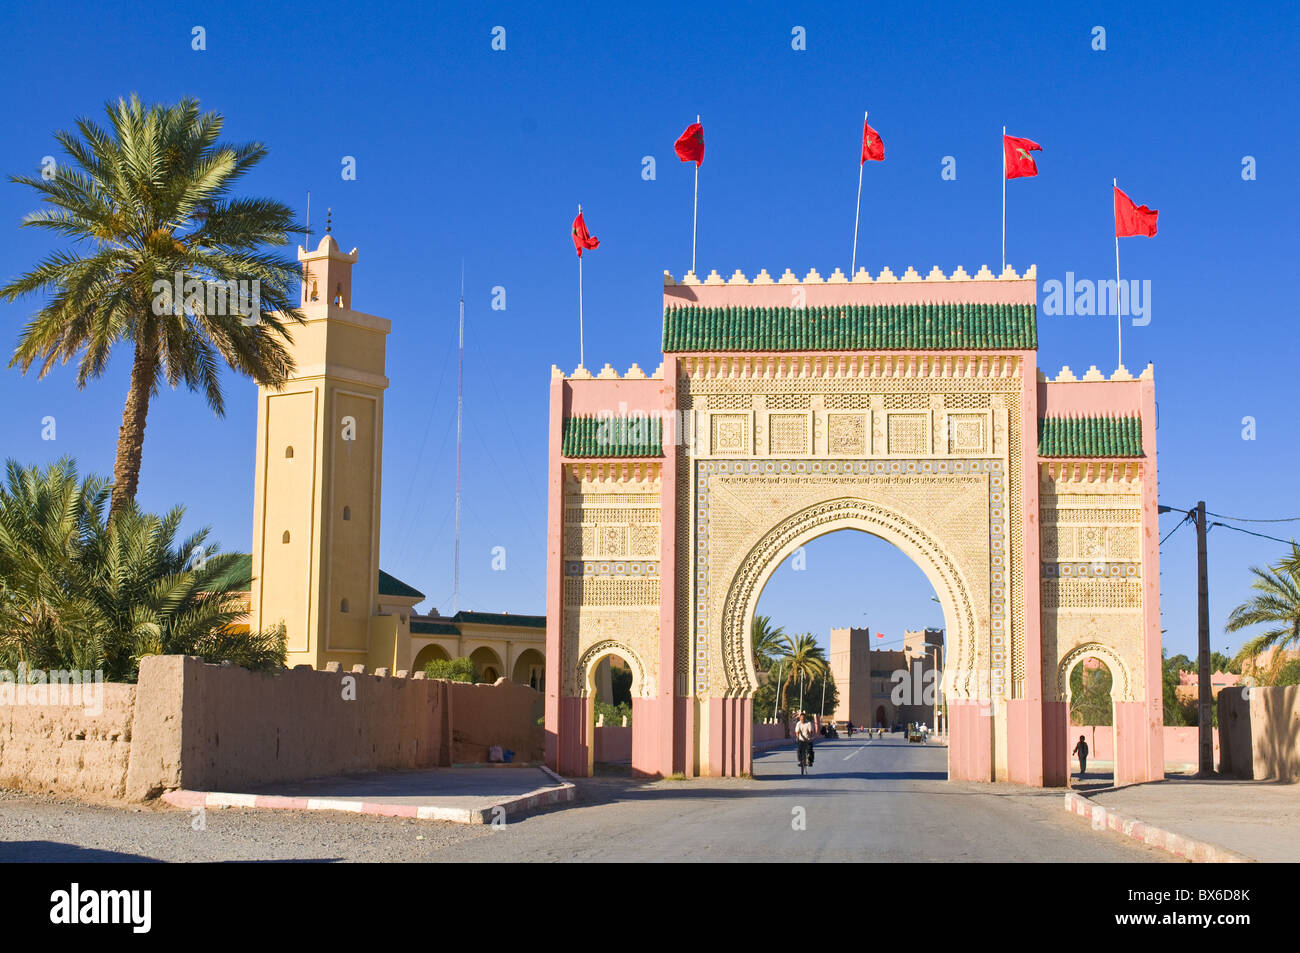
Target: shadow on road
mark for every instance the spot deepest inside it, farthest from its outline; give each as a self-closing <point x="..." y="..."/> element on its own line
<point x="53" y="852"/>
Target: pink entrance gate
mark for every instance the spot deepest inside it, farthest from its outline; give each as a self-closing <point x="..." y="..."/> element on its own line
<point x="912" y="409"/>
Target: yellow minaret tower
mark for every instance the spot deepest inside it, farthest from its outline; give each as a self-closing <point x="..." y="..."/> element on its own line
<point x="319" y="453"/>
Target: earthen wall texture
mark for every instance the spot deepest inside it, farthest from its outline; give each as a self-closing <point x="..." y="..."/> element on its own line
<point x="188" y="724"/>
<point x="66" y="749"/>
<point x="1259" y="732"/>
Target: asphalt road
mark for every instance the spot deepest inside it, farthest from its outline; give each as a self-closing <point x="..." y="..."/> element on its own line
<point x="876" y="801"/>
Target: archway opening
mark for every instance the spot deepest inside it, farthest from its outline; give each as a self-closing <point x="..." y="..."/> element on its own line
<point x="849" y="629"/>
<point x="1092" y="737"/>
<point x="487" y="663"/>
<point x="430" y="653"/>
<point x="530" y="670"/>
<point x="613" y="682"/>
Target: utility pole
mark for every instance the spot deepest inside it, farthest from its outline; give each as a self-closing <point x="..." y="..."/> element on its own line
<point x="1205" y="725"/>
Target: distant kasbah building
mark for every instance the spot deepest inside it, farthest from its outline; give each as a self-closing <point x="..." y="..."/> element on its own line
<point x="870" y="689"/>
<point x="1188" y="687"/>
<point x="316" y="508"/>
<point x="1263" y="665"/>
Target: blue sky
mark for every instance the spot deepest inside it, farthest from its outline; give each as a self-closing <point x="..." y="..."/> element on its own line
<point x="465" y="152"/>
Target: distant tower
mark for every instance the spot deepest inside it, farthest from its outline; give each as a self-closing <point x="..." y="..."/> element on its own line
<point x="319" y="455"/>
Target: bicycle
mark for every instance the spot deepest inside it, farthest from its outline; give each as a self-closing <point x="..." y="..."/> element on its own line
<point x="805" y="756"/>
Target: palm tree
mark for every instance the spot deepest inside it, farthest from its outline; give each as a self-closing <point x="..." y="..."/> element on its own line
<point x="45" y="519"/>
<point x="1277" y="606"/>
<point x="768" y="641"/>
<point x="804" y="661"/>
<point x="147" y="206"/>
<point x="88" y="593"/>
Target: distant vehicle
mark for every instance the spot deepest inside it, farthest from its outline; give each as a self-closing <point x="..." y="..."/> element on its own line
<point x="914" y="736"/>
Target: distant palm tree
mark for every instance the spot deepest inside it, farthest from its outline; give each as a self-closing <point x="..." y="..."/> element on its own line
<point x="147" y="206"/>
<point x="769" y="642"/>
<point x="87" y="593"/>
<point x="804" y="661"/>
<point x="1276" y="606"/>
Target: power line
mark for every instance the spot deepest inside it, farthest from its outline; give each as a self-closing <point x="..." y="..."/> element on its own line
<point x="1181" y="523"/>
<point x="1238" y="529"/>
<point x="1242" y="519"/>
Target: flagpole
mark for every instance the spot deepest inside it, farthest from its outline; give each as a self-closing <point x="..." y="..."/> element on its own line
<point x="581" y="353"/>
<point x="1004" y="198"/>
<point x="695" y="213"/>
<point x="1119" y="295"/>
<point x="857" y="214"/>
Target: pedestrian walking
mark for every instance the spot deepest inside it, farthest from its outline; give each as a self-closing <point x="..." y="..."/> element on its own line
<point x="1081" y="751"/>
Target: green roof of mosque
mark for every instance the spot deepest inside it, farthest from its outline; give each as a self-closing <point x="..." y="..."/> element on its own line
<point x="612" y="437"/>
<point x="852" y="327"/>
<point x="388" y="585"/>
<point x="501" y="618"/>
<point x="392" y="586"/>
<point x="426" y="627"/>
<point x="1090" y="437"/>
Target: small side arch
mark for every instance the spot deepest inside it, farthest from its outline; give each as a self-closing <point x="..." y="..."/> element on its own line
<point x="1121" y="682"/>
<point x="591" y="658"/>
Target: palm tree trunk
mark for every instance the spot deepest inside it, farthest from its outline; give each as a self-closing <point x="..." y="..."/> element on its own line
<point x="130" y="438"/>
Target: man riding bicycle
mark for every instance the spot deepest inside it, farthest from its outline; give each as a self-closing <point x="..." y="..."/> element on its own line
<point x="803" y="734"/>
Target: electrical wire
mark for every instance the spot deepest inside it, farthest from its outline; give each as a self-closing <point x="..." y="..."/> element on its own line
<point x="1181" y="523"/>
<point x="1290" y="542"/>
<point x="1242" y="519"/>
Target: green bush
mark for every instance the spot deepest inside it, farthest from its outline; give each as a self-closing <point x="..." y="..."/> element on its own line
<point x="613" y="713"/>
<point x="1288" y="673"/>
<point x="453" y="670"/>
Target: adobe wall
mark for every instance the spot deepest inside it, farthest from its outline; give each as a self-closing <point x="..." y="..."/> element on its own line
<point x="190" y="724"/>
<point x="1260" y="734"/>
<point x="505" y="714"/>
<point x="79" y="749"/>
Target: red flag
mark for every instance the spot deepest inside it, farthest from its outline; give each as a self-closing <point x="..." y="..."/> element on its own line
<point x="880" y="635"/>
<point x="873" y="147"/>
<point x="581" y="237"/>
<point x="1016" y="151"/>
<point x="1133" y="219"/>
<point x="690" y="144"/>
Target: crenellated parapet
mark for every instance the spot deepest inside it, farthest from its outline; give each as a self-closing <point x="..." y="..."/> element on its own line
<point x="1067" y="376"/>
<point x="862" y="276"/>
<point x="607" y="373"/>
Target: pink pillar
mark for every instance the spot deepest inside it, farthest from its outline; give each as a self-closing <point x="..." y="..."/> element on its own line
<point x="970" y="742"/>
<point x="1132" y="744"/>
<point x="669" y="758"/>
<point x="555" y="713"/>
<point x="1152" y="725"/>
<point x="731" y="737"/>
<point x="1056" y="744"/>
<point x="647" y="736"/>
<point x="1027" y="754"/>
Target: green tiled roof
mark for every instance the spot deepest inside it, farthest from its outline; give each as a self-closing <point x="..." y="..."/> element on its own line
<point x="612" y="437"/>
<point x="1090" y="437"/>
<point x="392" y="586"/>
<point x="388" y="585"/>
<point x="427" y="627"/>
<point x="501" y="618"/>
<point x="852" y="327"/>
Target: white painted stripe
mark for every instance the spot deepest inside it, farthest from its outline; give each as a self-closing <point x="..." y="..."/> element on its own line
<point x="328" y="804"/>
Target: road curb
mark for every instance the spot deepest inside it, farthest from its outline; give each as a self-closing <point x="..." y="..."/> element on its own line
<point x="1197" y="851"/>
<point x="506" y="807"/>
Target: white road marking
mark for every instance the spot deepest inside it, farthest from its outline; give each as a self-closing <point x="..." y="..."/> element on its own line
<point x="855" y="751"/>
